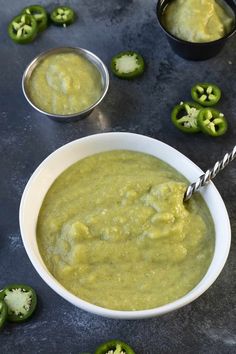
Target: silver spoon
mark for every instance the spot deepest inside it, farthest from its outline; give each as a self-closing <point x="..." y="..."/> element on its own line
<point x="209" y="174"/>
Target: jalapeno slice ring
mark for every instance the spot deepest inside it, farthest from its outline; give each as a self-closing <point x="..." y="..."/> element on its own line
<point x="3" y="314"/>
<point x="127" y="65"/>
<point x="62" y="16"/>
<point x="39" y="14"/>
<point x="114" y="347"/>
<point x="23" y="29"/>
<point x="184" y="117"/>
<point x="21" y="301"/>
<point x="212" y="122"/>
<point x="206" y="94"/>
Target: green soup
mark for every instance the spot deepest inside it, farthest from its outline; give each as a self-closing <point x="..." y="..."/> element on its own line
<point x="114" y="231"/>
<point x="65" y="83"/>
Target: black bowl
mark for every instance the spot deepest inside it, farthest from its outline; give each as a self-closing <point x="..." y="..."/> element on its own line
<point x="190" y="50"/>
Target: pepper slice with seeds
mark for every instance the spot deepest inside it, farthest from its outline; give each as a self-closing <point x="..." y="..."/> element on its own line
<point x="206" y="94"/>
<point x="40" y="15"/>
<point x="212" y="122"/>
<point x="114" y="347"/>
<point x="62" y="16"/>
<point x="184" y="117"/>
<point x="21" y="301"/>
<point x="127" y="65"/>
<point x="3" y="314"/>
<point x="23" y="29"/>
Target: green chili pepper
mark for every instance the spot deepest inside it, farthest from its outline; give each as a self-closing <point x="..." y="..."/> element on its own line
<point x="114" y="347"/>
<point x="21" y="301"/>
<point x="184" y="117"/>
<point x="23" y="29"/>
<point x="3" y="314"/>
<point x="62" y="16"/>
<point x="39" y="14"/>
<point x="127" y="65"/>
<point x="212" y="122"/>
<point x="206" y="94"/>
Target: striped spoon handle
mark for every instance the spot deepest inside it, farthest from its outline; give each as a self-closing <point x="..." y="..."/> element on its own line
<point x="209" y="174"/>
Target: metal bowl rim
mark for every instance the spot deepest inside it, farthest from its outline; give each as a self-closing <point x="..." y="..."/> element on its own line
<point x="104" y="73"/>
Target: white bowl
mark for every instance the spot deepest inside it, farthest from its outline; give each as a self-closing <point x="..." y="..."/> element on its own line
<point x="68" y="154"/>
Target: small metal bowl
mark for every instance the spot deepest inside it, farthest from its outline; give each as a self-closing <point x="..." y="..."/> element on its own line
<point x="92" y="58"/>
<point x="192" y="50"/>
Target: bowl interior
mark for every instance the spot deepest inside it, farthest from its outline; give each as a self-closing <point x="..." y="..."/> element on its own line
<point x="231" y="7"/>
<point x="62" y="158"/>
<point x="92" y="58"/>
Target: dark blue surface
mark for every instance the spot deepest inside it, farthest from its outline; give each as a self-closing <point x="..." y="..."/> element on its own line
<point x="142" y="106"/>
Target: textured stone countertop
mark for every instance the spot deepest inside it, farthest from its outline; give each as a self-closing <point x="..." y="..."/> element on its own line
<point x="143" y="106"/>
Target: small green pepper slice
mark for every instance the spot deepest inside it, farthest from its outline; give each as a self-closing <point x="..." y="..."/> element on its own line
<point x="62" y="16"/>
<point x="3" y="314"/>
<point x="206" y="94"/>
<point x="127" y="65"/>
<point x="23" y="29"/>
<point x="40" y="15"/>
<point x="212" y="122"/>
<point x="184" y="117"/>
<point x="21" y="301"/>
<point x="114" y="347"/>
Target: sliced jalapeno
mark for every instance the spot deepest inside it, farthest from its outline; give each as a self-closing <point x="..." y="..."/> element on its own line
<point x="39" y="14"/>
<point x="63" y="16"/>
<point x="3" y="314"/>
<point x="127" y="65"/>
<point x="212" y="122"/>
<point x="184" y="117"/>
<point x="22" y="29"/>
<point x="114" y="347"/>
<point x="206" y="94"/>
<point x="21" y="301"/>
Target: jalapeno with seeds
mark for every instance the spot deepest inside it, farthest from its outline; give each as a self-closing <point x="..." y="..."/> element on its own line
<point x="39" y="14"/>
<point x="22" y="29"/>
<point x="206" y="94"/>
<point x="62" y="16"/>
<point x="212" y="122"/>
<point x="3" y="314"/>
<point x="184" y="117"/>
<point x="21" y="301"/>
<point x="114" y="347"/>
<point x="127" y="65"/>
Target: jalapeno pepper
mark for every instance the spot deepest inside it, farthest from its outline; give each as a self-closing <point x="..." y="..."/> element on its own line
<point x="184" y="117"/>
<point x="23" y="29"/>
<point x="127" y="65"/>
<point x="206" y="94"/>
<point x="114" y="347"/>
<point x="3" y="314"/>
<point x="62" y="16"/>
<point x="39" y="14"/>
<point x="21" y="301"/>
<point x="212" y="122"/>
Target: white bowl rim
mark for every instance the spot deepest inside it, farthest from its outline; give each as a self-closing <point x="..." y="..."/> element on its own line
<point x="208" y="192"/>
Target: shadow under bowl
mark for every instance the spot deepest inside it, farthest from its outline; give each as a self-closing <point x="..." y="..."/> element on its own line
<point x="92" y="58"/>
<point x="192" y="50"/>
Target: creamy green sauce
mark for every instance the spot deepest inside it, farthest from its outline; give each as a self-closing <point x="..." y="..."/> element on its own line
<point x="65" y="83"/>
<point x="114" y="231"/>
<point x="198" y="20"/>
